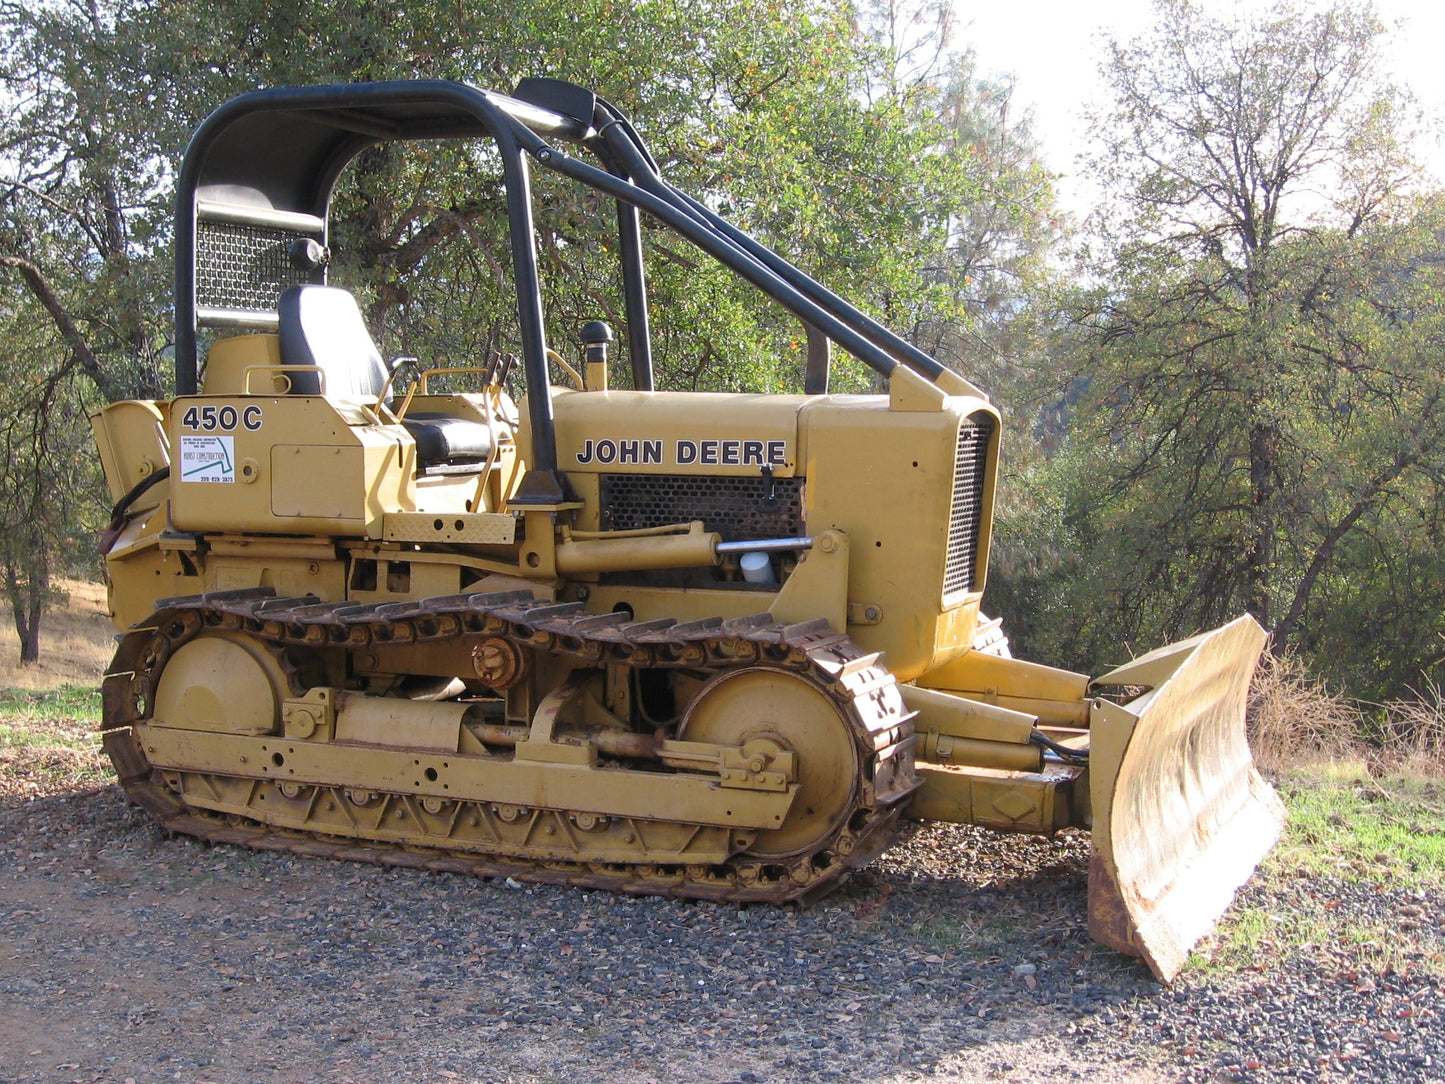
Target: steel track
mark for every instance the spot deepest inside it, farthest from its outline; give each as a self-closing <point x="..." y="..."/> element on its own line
<point x="864" y="693"/>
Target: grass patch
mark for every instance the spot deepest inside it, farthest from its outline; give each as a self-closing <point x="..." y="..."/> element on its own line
<point x="1342" y="821"/>
<point x="49" y="742"/>
<point x="1259" y="937"/>
<point x="974" y="936"/>
<point x="1384" y="838"/>
<point x="80" y="702"/>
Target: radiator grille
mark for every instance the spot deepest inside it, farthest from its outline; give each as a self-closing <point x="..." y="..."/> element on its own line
<point x="736" y="508"/>
<point x="965" y="518"/>
<point x="244" y="267"/>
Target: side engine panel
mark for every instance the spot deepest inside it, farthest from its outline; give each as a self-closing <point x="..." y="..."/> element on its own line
<point x="912" y="489"/>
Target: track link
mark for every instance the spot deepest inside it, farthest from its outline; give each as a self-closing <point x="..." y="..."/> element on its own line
<point x="864" y="692"/>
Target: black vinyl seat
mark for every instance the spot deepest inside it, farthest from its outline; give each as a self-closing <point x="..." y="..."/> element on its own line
<point x="442" y="438"/>
<point x="321" y="326"/>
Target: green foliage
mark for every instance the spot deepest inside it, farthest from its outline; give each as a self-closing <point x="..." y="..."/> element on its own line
<point x="75" y="702"/>
<point x="49" y="482"/>
<point x="765" y="111"/>
<point x="1351" y="825"/>
<point x="1252" y="393"/>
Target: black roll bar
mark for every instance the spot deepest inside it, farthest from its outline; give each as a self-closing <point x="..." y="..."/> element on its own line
<point x="288" y="146"/>
<point x="726" y="252"/>
<point x="277" y="154"/>
<point x="623" y="140"/>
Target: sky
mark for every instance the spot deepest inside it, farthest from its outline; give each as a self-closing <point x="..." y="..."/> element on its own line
<point x="1051" y="47"/>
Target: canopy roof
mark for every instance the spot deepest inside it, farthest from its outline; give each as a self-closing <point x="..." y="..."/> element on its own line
<point x="283" y="149"/>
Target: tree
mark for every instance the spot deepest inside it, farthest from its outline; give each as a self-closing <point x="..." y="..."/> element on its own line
<point x="1257" y="372"/>
<point x="49" y="482"/>
<point x="83" y="219"/>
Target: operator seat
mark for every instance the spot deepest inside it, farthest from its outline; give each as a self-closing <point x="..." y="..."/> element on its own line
<point x="322" y="326"/>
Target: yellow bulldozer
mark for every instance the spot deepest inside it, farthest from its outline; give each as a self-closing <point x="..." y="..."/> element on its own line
<point x="699" y="645"/>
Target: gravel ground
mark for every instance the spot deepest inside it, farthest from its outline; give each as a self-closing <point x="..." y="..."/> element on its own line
<point x="127" y="955"/>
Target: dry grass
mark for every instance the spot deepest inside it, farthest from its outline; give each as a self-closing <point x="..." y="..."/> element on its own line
<point x="77" y="640"/>
<point x="1295" y="721"/>
<point x="1414" y="742"/>
<point x="1294" y="718"/>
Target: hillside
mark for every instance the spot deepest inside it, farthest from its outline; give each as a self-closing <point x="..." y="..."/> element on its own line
<point x="76" y="642"/>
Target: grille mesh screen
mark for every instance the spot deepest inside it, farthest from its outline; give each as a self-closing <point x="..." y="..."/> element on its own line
<point x="966" y="514"/>
<point x="736" y="508"/>
<point x="243" y="267"/>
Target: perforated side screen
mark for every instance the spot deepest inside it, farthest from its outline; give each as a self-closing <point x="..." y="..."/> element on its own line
<point x="965" y="517"/>
<point x="736" y="508"/>
<point x="243" y="267"/>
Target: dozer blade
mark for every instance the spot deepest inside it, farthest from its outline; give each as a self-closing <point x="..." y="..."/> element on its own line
<point x="1180" y="815"/>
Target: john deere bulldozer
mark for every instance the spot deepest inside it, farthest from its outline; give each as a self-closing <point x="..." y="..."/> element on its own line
<point x="699" y="645"/>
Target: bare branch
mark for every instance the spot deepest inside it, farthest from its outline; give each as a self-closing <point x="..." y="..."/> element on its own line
<point x="80" y="351"/>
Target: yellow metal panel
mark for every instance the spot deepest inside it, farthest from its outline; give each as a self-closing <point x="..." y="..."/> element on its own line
<point x="937" y="748"/>
<point x="131" y="438"/>
<point x="477" y="528"/>
<point x="239" y="467"/>
<point x="229" y="358"/>
<point x="693" y="549"/>
<point x="222" y="478"/>
<point x="140" y="573"/>
<point x="909" y="391"/>
<point x="317" y="548"/>
<point x="308" y="482"/>
<point x="954" y="384"/>
<point x="620" y="793"/>
<point x="678" y="433"/>
<point x="964" y="718"/>
<point x="684" y="604"/>
<point x="219" y="685"/>
<point x="1180" y="815"/>
<point x="1035" y="802"/>
<point x="290" y="576"/>
<point x="818" y="586"/>
<point x="399" y="578"/>
<point x="1054" y="695"/>
<point x="886" y="477"/>
<point x="375" y="720"/>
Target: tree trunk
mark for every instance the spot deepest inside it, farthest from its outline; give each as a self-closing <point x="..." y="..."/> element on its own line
<point x="1263" y="486"/>
<point x="1368" y="498"/>
<point x="30" y="639"/>
<point x="28" y="598"/>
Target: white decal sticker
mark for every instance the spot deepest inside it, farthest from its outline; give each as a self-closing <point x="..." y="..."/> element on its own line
<point x="208" y="459"/>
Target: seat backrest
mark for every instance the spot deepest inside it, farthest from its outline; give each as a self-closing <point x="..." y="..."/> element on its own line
<point x="321" y="326"/>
